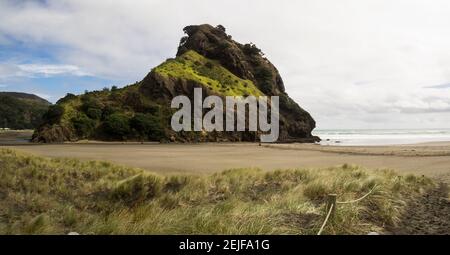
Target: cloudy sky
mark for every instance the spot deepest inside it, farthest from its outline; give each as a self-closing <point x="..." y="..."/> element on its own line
<point x="350" y="63"/>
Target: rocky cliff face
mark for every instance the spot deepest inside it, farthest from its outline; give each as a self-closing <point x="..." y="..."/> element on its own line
<point x="245" y="61"/>
<point x="207" y="58"/>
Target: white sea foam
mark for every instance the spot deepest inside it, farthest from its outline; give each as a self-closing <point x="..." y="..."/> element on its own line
<point x="381" y="137"/>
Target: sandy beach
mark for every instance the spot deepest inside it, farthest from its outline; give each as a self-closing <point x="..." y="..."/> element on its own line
<point x="429" y="159"/>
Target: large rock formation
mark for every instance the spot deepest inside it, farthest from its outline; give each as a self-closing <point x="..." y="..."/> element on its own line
<point x="207" y="58"/>
<point x="247" y="62"/>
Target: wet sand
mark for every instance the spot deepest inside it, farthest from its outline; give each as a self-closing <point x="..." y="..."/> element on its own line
<point x="431" y="159"/>
<point x="11" y="137"/>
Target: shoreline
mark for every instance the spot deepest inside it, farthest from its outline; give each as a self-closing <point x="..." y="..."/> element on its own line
<point x="23" y="137"/>
<point x="28" y="142"/>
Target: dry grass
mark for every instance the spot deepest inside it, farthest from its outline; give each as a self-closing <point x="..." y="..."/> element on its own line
<point x="47" y="196"/>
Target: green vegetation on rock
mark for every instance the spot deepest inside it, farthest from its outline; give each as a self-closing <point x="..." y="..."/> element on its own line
<point x="104" y="115"/>
<point x="209" y="73"/>
<point x="127" y="113"/>
<point x="117" y="125"/>
<point x="147" y="125"/>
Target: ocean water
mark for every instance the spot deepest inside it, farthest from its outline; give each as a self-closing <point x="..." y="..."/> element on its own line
<point x="349" y="137"/>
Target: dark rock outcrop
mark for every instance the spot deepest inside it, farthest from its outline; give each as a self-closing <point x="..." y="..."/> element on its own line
<point x="245" y="61"/>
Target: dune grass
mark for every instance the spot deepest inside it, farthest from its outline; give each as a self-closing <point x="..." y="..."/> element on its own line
<point x="56" y="196"/>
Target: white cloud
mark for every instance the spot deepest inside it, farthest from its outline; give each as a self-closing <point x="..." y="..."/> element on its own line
<point x="440" y="86"/>
<point x="10" y="71"/>
<point x="351" y="63"/>
<point x="50" y="70"/>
